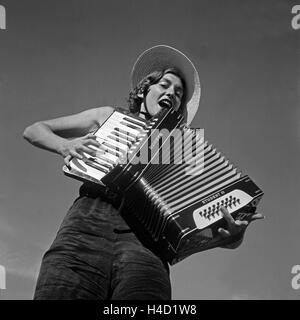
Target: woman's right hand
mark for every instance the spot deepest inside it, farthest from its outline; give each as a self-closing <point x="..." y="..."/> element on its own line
<point x="76" y="147"/>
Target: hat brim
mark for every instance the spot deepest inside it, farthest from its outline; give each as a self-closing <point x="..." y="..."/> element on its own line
<point x="163" y="57"/>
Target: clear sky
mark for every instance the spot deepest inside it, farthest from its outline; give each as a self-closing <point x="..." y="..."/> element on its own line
<point x="60" y="57"/>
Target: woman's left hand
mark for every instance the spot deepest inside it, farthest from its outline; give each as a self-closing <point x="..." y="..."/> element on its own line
<point x="235" y="227"/>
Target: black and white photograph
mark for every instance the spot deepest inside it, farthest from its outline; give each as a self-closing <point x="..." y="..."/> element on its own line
<point x="149" y="150"/>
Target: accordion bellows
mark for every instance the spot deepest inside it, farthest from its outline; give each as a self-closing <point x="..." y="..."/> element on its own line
<point x="172" y="181"/>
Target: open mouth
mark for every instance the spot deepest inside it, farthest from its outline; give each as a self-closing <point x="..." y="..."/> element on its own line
<point x="165" y="103"/>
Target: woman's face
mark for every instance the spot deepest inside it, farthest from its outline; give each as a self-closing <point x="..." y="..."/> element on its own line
<point x="166" y="93"/>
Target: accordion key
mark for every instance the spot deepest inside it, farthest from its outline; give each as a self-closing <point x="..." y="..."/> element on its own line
<point x="173" y="182"/>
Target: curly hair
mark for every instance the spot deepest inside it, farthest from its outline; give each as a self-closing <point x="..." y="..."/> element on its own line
<point x="135" y="101"/>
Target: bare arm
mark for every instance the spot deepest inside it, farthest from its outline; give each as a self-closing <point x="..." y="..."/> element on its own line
<point x="69" y="135"/>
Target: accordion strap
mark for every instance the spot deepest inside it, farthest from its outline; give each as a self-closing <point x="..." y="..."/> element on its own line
<point x="93" y="190"/>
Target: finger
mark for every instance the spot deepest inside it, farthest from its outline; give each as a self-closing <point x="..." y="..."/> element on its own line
<point x="257" y="216"/>
<point x="88" y="150"/>
<point x="67" y="160"/>
<point x="224" y="233"/>
<point x="92" y="142"/>
<point x="99" y="153"/>
<point x="76" y="154"/>
<point x="242" y="223"/>
<point x="227" y="216"/>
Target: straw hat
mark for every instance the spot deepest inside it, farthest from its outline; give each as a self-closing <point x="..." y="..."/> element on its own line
<point x="162" y="57"/>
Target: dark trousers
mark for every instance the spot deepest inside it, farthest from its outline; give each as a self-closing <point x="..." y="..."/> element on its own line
<point x="96" y="256"/>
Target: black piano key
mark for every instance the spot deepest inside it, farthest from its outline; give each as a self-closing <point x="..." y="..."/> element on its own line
<point x="135" y="122"/>
<point x="126" y="133"/>
<point x="96" y="166"/>
<point x="100" y="163"/>
<point x="121" y="141"/>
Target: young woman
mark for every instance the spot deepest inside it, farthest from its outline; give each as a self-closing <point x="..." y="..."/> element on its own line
<point x="95" y="255"/>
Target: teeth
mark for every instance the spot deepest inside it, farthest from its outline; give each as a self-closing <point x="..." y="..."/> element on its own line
<point x="165" y="103"/>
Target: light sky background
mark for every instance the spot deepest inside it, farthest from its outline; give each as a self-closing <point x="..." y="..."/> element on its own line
<point x="61" y="57"/>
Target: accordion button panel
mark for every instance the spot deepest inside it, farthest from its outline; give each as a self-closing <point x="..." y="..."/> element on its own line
<point x="210" y="212"/>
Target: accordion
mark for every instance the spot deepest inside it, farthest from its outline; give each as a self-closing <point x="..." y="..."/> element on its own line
<point x="172" y="181"/>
